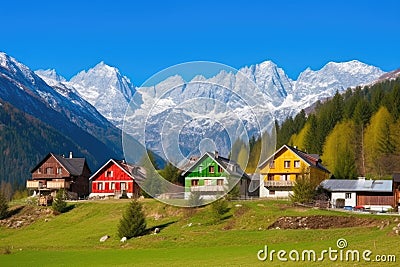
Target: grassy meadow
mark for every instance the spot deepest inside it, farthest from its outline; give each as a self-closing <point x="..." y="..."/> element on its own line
<point x="188" y="237"/>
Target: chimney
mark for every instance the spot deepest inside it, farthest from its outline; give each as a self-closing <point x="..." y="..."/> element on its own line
<point x="216" y="154"/>
<point x="70" y="154"/>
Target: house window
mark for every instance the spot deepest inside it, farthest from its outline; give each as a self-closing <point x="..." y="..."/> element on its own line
<point x="211" y="169"/>
<point x="220" y="169"/>
<point x="347" y="196"/>
<point x="272" y="192"/>
<point x="109" y="173"/>
<point x="272" y="164"/>
<point x="207" y="182"/>
<point x="270" y="177"/>
<point x="286" y="164"/>
<point x="297" y="163"/>
<point x="39" y="170"/>
<point x="123" y="186"/>
<point x="195" y="182"/>
<point x="49" y="170"/>
<point x="285" y="177"/>
<point x="59" y="170"/>
<point x="99" y="186"/>
<point x="220" y="182"/>
<point x="112" y="186"/>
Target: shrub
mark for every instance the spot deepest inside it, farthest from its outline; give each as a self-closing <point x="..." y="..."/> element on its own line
<point x="219" y="208"/>
<point x="195" y="199"/>
<point x="133" y="221"/>
<point x="59" y="204"/>
<point x="3" y="207"/>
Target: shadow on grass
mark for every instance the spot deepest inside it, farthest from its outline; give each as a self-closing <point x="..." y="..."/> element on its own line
<point x="69" y="208"/>
<point x="160" y="227"/>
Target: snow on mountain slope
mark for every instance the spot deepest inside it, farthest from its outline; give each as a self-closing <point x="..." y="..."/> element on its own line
<point x="315" y="85"/>
<point x="106" y="89"/>
<point x="58" y="106"/>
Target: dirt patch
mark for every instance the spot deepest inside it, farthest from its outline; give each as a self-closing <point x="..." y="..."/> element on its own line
<point x="21" y="216"/>
<point x="322" y="222"/>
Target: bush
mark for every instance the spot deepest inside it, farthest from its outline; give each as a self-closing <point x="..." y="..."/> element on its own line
<point x="303" y="190"/>
<point x="219" y="208"/>
<point x="133" y="221"/>
<point x="3" y="207"/>
<point x="59" y="204"/>
<point x="195" y="199"/>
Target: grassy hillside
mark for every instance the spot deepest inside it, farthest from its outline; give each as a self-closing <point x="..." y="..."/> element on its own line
<point x="188" y="237"/>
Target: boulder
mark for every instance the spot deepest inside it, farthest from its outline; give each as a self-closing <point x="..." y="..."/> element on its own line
<point x="156" y="230"/>
<point x="104" y="238"/>
<point x="123" y="240"/>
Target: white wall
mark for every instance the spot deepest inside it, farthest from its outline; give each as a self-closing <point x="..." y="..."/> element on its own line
<point x="352" y="202"/>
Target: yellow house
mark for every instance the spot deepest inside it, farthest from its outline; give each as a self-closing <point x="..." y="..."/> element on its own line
<point x="280" y="171"/>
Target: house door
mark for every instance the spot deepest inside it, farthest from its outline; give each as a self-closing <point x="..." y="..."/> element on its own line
<point x="340" y="202"/>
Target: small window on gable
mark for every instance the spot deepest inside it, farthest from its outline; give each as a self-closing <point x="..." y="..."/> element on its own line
<point x="49" y="170"/>
<point x="297" y="163"/>
<point x="272" y="164"/>
<point x="220" y="169"/>
<point x="109" y="173"/>
<point x="211" y="169"/>
<point x="59" y="170"/>
<point x="287" y="164"/>
<point x="39" y="170"/>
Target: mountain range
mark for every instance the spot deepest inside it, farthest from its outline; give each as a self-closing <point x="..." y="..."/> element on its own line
<point x="89" y="110"/>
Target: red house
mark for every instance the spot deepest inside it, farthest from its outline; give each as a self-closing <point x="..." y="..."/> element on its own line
<point x="116" y="177"/>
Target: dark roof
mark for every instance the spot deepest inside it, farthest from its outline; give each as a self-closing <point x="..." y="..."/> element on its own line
<point x="74" y="166"/>
<point x="396" y="177"/>
<point x="311" y="159"/>
<point x="360" y="185"/>
<point x="223" y="162"/>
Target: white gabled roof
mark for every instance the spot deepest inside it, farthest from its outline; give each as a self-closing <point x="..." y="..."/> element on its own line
<point x="116" y="163"/>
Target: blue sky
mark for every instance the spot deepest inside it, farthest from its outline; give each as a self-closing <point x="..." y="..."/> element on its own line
<point x="142" y="38"/>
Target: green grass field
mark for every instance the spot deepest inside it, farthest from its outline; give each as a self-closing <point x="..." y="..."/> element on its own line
<point x="72" y="238"/>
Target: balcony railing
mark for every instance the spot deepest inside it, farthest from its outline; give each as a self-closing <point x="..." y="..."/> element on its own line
<point x="57" y="184"/>
<point x="208" y="188"/>
<point x="34" y="184"/>
<point x="278" y="183"/>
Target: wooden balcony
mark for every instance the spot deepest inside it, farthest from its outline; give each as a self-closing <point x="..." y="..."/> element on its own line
<point x="34" y="184"/>
<point x="278" y="183"/>
<point x="57" y="184"/>
<point x="208" y="188"/>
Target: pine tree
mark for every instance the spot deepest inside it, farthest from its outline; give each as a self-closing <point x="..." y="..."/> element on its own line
<point x="3" y="207"/>
<point x="133" y="221"/>
<point x="59" y="204"/>
<point x="195" y="199"/>
<point x="304" y="188"/>
<point x="170" y="173"/>
<point x="219" y="208"/>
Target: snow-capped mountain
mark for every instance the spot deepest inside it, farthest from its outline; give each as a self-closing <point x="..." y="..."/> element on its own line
<point x="106" y="89"/>
<point x="274" y="91"/>
<point x="254" y="95"/>
<point x="58" y="106"/>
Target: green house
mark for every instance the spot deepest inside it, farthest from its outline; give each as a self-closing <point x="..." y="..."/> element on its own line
<point x="212" y="175"/>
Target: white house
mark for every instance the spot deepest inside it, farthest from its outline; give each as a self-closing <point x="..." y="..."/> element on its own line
<point x="374" y="195"/>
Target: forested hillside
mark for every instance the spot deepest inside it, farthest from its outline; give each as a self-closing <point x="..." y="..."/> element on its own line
<point x="25" y="140"/>
<point x="357" y="133"/>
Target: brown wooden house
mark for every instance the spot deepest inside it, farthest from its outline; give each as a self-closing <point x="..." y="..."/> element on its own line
<point x="57" y="172"/>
